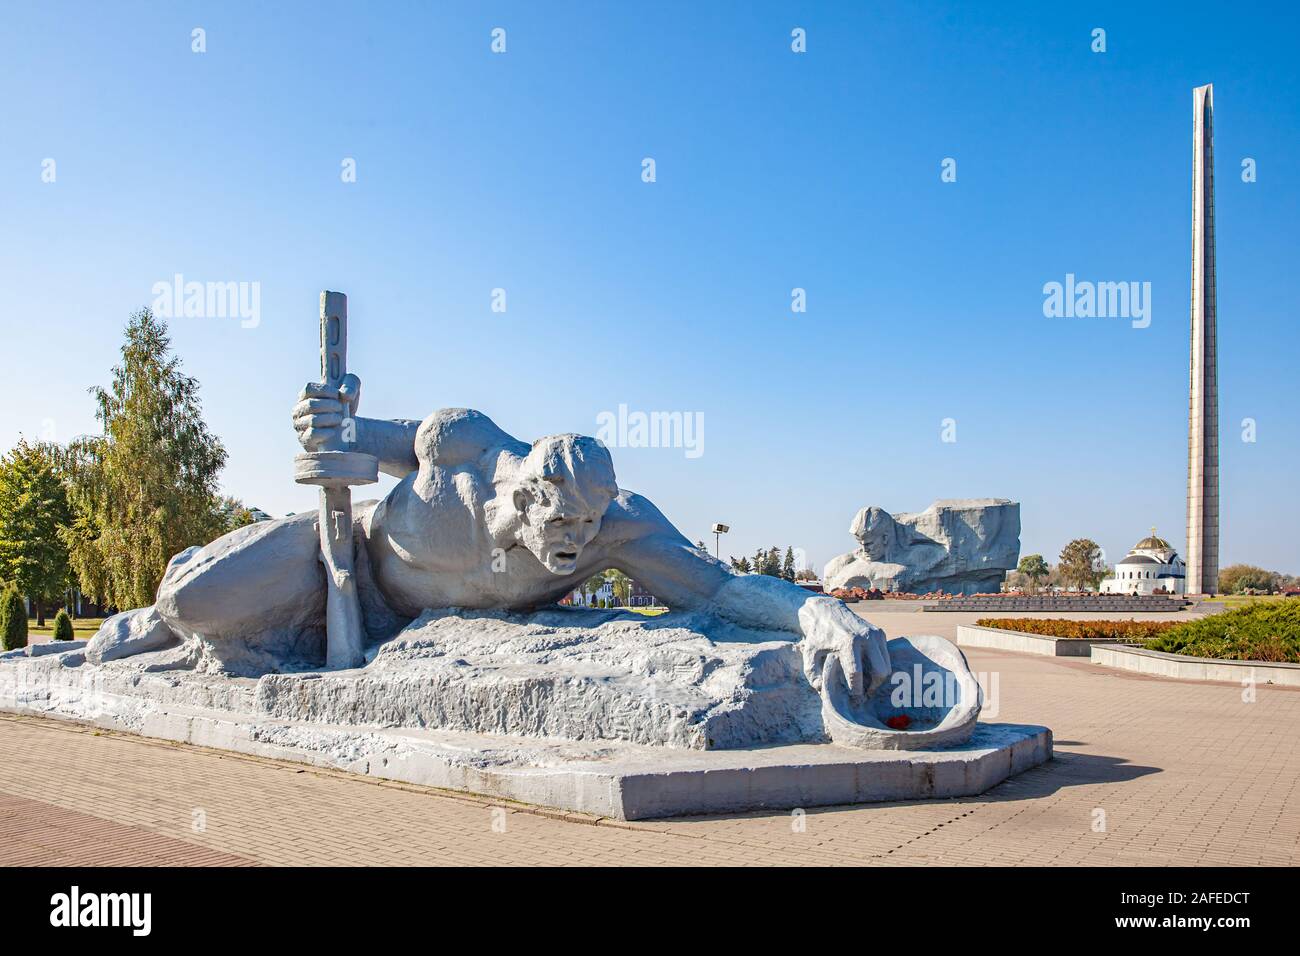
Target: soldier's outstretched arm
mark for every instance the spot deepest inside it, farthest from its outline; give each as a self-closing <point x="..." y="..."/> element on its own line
<point x="323" y="413"/>
<point x="645" y="545"/>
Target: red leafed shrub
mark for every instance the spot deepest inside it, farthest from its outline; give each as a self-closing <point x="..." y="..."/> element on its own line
<point x="1083" y="630"/>
<point x="898" y="722"/>
<point x="856" y="593"/>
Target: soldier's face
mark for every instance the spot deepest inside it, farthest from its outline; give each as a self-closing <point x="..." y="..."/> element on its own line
<point x="556" y="536"/>
<point x="875" y="538"/>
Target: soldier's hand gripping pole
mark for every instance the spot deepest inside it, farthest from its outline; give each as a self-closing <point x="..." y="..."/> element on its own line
<point x="335" y="468"/>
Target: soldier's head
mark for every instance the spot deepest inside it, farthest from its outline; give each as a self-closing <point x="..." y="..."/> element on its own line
<point x="877" y="531"/>
<point x="560" y="493"/>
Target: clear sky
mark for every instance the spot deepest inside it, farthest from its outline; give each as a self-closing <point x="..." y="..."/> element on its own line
<point x="774" y="170"/>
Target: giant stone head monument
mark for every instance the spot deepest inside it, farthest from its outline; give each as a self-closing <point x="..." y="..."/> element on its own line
<point x="418" y="637"/>
<point x="955" y="546"/>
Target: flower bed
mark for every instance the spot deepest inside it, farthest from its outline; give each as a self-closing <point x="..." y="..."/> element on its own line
<point x="1136" y="631"/>
<point x="1261" y="632"/>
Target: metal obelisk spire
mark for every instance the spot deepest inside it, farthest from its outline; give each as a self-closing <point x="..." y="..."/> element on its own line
<point x="1203" y="400"/>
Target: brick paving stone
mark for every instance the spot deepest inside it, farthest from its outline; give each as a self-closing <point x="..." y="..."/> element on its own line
<point x="1176" y="772"/>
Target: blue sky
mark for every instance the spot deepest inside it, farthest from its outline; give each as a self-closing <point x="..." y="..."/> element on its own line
<point x="774" y="170"/>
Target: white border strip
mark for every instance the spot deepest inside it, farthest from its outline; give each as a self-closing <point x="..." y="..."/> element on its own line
<point x="1182" y="667"/>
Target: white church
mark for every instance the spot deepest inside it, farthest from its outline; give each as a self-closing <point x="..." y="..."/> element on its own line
<point x="1152" y="565"/>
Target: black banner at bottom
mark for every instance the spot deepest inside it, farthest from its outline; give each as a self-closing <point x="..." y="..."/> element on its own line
<point x="335" y="906"/>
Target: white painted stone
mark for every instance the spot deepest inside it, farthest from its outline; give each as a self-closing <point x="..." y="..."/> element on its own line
<point x="128" y="633"/>
<point x="54" y="647"/>
<point x="569" y="674"/>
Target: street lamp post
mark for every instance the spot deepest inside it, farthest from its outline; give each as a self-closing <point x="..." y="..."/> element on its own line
<point x="718" y="531"/>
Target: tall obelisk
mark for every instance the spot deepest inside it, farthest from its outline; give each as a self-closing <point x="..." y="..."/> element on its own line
<point x="1203" y="404"/>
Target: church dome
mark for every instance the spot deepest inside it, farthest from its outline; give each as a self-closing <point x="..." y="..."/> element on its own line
<point x="1139" y="559"/>
<point x="1152" y="567"/>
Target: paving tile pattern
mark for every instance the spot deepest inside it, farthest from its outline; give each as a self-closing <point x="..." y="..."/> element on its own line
<point x="1148" y="771"/>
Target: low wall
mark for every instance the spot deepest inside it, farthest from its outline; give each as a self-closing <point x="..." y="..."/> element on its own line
<point x="46" y="647"/>
<point x="1181" y="667"/>
<point x="973" y="635"/>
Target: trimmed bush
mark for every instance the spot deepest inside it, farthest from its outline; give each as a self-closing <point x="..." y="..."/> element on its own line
<point x="1268" y="631"/>
<point x="62" y="626"/>
<point x="1135" y="631"/>
<point x="14" y="614"/>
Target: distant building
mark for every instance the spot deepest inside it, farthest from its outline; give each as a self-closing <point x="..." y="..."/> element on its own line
<point x="74" y="602"/>
<point x="579" y="598"/>
<point x="1151" y="567"/>
<point x="638" y="596"/>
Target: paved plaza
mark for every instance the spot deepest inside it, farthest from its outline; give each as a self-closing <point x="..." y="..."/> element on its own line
<point x="1147" y="771"/>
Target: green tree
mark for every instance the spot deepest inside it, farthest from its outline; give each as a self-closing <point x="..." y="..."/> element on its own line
<point x="62" y="626"/>
<point x="1081" y="564"/>
<point x="146" y="489"/>
<point x="593" y="584"/>
<point x="787" y="565"/>
<point x="1034" y="568"/>
<point x="234" y="514"/>
<point x="621" y="583"/>
<point x="1236" y="578"/>
<point x="33" y="507"/>
<point x="743" y="565"/>
<point x="13" y="619"/>
<point x="772" y="562"/>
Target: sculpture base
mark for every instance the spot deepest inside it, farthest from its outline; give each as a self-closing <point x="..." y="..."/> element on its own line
<point x="671" y="742"/>
<point x="676" y="680"/>
<point x="620" y="781"/>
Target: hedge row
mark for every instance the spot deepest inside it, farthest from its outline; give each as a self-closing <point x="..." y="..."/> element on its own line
<point x="1267" y="631"/>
